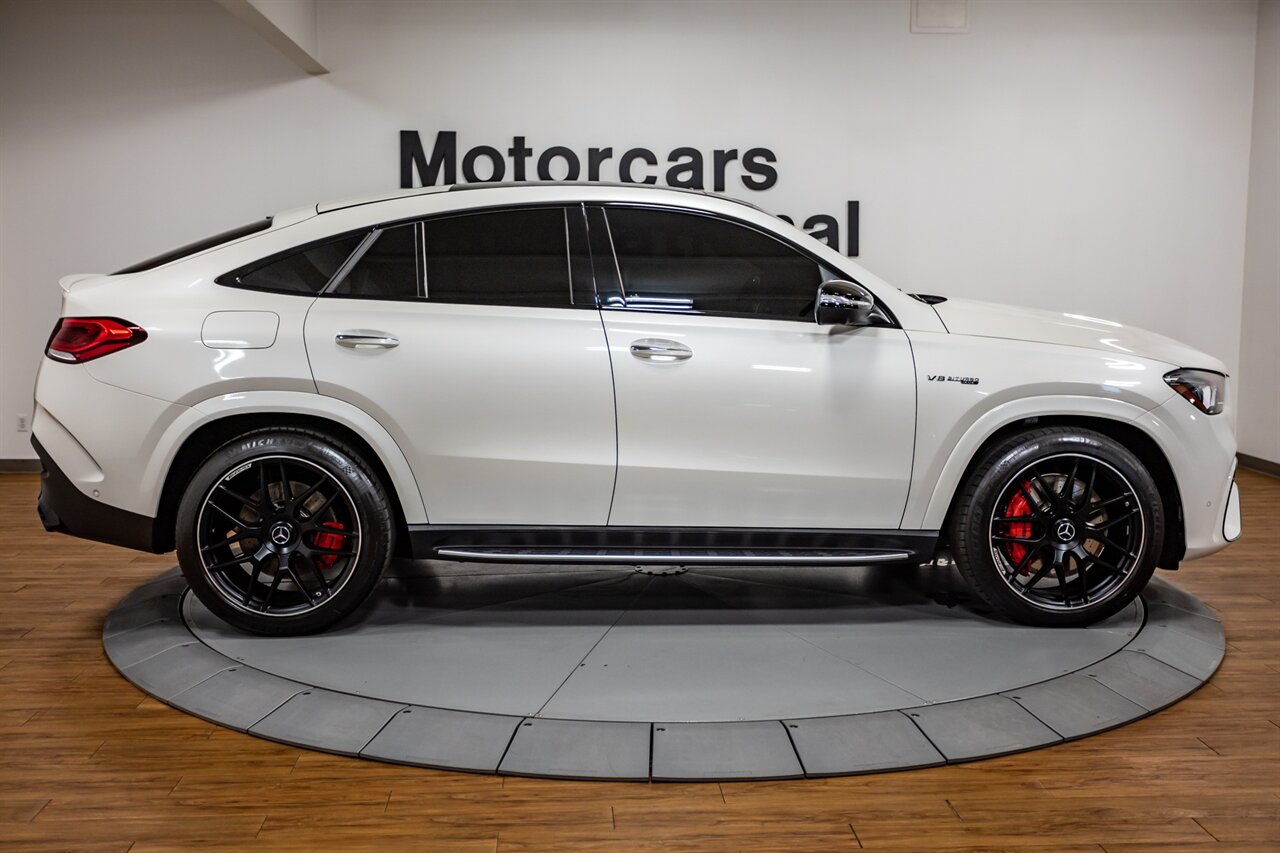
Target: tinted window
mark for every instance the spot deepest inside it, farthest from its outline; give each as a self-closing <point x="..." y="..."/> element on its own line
<point x="683" y="261"/>
<point x="305" y="271"/>
<point x="506" y="257"/>
<point x="388" y="269"/>
<point x="197" y="247"/>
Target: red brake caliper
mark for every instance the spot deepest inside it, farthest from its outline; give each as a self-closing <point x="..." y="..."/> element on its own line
<point x="1018" y="506"/>
<point x="325" y="539"/>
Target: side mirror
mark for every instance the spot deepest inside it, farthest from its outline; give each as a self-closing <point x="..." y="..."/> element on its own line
<point x="843" y="303"/>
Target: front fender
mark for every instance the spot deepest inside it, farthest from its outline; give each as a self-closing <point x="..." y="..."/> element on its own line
<point x="932" y="492"/>
<point x="969" y="387"/>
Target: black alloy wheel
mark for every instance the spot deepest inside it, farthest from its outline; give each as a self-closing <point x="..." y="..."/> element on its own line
<point x="1058" y="526"/>
<point x="270" y="523"/>
<point x="283" y="532"/>
<point x="1066" y="531"/>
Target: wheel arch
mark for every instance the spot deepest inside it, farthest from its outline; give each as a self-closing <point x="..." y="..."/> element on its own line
<point x="1129" y="435"/>
<point x="211" y="435"/>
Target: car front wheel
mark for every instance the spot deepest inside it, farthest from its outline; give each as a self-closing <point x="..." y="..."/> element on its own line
<point x="1058" y="527"/>
<point x="284" y="531"/>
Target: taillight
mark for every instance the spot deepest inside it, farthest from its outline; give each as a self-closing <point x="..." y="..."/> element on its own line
<point x="77" y="339"/>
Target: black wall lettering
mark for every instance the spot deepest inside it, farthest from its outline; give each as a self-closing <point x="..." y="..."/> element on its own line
<point x="829" y="233"/>
<point x="519" y="153"/>
<point x="497" y="169"/>
<point x="685" y="161"/>
<point x="624" y="165"/>
<point x="756" y="161"/>
<point x="444" y="158"/>
<point x="722" y="160"/>
<point x="686" y="169"/>
<point x="596" y="156"/>
<point x="855" y="223"/>
<point x="570" y="159"/>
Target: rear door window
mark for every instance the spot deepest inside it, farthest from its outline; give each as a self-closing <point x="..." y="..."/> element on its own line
<point x="505" y="257"/>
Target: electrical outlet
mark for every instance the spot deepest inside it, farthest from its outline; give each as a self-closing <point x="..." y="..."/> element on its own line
<point x="24" y="423"/>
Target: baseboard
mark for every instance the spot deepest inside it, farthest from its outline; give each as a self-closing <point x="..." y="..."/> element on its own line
<point x="19" y="466"/>
<point x="1262" y="466"/>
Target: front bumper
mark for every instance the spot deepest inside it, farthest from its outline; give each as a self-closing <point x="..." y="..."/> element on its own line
<point x="1231" y="520"/>
<point x="65" y="509"/>
<point x="1201" y="450"/>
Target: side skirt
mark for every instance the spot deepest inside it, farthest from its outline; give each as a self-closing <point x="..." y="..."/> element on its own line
<point x="724" y="546"/>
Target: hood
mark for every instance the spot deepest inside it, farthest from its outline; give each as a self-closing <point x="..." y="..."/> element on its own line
<point x="993" y="320"/>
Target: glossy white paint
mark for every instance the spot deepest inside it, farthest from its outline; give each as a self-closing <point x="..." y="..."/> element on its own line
<point x="1202" y="451"/>
<point x="240" y="329"/>
<point x="174" y="364"/>
<point x="118" y="431"/>
<point x="990" y="320"/>
<point x="507" y="415"/>
<point x="770" y="423"/>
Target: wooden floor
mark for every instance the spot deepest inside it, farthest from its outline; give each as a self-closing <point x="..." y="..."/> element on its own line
<point x="87" y="762"/>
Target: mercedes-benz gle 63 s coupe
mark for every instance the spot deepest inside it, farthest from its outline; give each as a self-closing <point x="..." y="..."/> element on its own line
<point x="609" y="374"/>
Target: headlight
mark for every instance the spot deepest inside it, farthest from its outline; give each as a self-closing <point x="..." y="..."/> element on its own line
<point x="1204" y="389"/>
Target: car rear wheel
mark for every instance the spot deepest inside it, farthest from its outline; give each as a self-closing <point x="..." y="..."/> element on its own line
<point x="284" y="531"/>
<point x="1058" y="527"/>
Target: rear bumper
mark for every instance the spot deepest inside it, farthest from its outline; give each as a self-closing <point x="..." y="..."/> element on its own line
<point x="65" y="509"/>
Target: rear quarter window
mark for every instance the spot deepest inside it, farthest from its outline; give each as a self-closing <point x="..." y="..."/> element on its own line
<point x="305" y="270"/>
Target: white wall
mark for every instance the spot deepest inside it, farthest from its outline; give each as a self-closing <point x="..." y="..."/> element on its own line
<point x="297" y="19"/>
<point x="1073" y="154"/>
<point x="1259" y="425"/>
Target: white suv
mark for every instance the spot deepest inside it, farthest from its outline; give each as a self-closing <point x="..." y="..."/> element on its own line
<point x="609" y="374"/>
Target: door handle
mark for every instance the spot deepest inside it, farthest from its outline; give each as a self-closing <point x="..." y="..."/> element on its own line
<point x="660" y="349"/>
<point x="361" y="339"/>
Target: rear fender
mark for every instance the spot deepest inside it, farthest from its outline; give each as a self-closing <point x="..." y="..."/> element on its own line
<point x="293" y="403"/>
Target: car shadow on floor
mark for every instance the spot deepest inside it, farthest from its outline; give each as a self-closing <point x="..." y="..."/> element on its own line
<point x="424" y="590"/>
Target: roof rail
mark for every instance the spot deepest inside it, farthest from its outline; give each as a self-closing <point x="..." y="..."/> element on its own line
<point x="481" y="185"/>
<point x="392" y="195"/>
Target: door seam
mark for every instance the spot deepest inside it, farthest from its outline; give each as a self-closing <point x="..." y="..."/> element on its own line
<point x="613" y="382"/>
